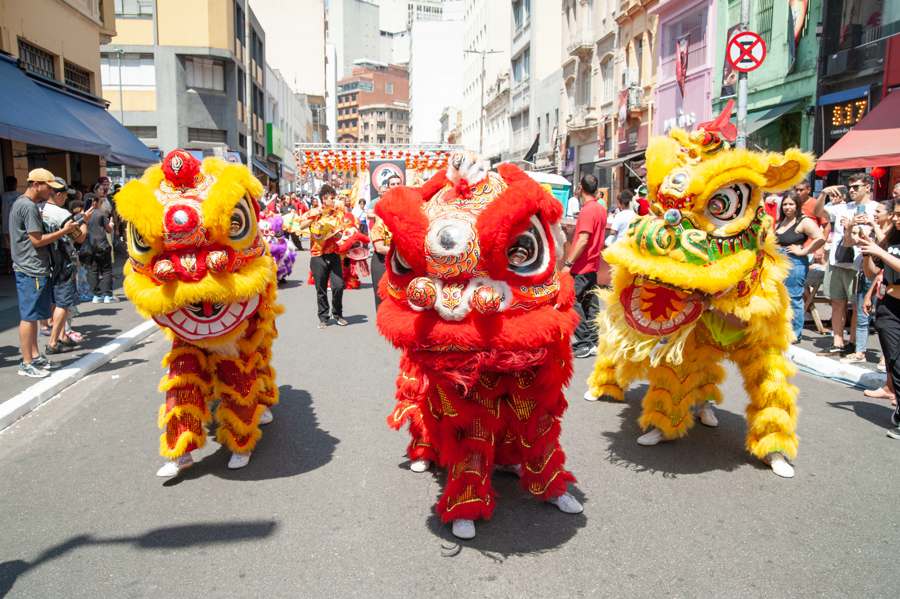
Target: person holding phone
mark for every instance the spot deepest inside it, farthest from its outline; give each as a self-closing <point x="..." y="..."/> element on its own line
<point x="885" y="257"/>
<point x="846" y="286"/>
<point x="100" y="276"/>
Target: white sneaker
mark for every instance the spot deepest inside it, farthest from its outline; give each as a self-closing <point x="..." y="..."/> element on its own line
<point x="707" y="414"/>
<point x="464" y="529"/>
<point x="238" y="461"/>
<point x="110" y="299"/>
<point x="567" y="504"/>
<point x="419" y="465"/>
<point x="170" y="469"/>
<point x="266" y="417"/>
<point x="653" y="437"/>
<point x="590" y="397"/>
<point x="779" y="465"/>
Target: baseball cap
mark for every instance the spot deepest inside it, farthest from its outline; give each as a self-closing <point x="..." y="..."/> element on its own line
<point x="58" y="183"/>
<point x="41" y="175"/>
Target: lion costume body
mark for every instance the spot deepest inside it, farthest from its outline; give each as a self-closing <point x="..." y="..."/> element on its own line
<point x="699" y="280"/>
<point x="198" y="267"/>
<point x="473" y="299"/>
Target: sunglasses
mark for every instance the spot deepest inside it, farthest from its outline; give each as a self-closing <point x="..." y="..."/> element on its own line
<point x="855" y="186"/>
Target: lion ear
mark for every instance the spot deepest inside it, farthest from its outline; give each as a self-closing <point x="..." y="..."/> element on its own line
<point x="788" y="169"/>
<point x="136" y="203"/>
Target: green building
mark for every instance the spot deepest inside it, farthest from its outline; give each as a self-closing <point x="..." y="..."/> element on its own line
<point x="781" y="96"/>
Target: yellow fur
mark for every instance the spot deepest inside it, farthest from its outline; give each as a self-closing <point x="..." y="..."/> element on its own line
<point x="745" y="287"/>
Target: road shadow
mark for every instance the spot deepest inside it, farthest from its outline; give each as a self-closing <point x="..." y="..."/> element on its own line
<point x="292" y="445"/>
<point x="703" y="450"/>
<point x="119" y="364"/>
<point x="167" y="538"/>
<point x="356" y="318"/>
<point x="290" y="284"/>
<point x="521" y="524"/>
<point x="877" y="414"/>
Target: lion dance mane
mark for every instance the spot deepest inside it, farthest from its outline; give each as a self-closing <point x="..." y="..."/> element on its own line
<point x="473" y="298"/>
<point x="198" y="266"/>
<point x="698" y="280"/>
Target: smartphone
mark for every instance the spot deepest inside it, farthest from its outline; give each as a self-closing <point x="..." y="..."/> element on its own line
<point x="860" y="209"/>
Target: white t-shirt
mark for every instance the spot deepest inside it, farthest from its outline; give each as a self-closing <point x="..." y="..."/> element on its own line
<point x="619" y="225"/>
<point x="838" y="212"/>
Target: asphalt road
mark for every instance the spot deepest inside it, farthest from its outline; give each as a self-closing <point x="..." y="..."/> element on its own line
<point x="327" y="508"/>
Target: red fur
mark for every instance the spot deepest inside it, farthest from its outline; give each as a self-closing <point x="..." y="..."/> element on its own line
<point x="401" y="210"/>
<point x="433" y="185"/>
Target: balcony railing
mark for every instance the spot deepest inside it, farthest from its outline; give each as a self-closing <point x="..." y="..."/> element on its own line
<point x="582" y="117"/>
<point x="581" y="45"/>
<point x="635" y="98"/>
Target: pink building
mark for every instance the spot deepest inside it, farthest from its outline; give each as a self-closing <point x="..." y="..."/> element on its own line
<point x="686" y="52"/>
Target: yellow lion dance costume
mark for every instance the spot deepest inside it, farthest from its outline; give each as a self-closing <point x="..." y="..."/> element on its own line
<point x="698" y="280"/>
<point x="198" y="267"/>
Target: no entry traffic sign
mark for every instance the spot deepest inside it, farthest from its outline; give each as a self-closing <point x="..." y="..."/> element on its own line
<point x="745" y="51"/>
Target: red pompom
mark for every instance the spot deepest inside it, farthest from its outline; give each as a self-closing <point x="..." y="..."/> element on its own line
<point x="180" y="168"/>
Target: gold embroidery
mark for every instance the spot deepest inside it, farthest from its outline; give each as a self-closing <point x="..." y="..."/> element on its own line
<point x="522" y="406"/>
<point x="446" y="406"/>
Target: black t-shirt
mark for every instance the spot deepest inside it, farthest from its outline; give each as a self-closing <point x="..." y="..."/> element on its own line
<point x="891" y="276"/>
<point x="97" y="230"/>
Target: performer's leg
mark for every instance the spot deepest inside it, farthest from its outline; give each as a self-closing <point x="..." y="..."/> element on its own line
<point x="772" y="411"/>
<point x="319" y="270"/>
<point x="337" y="285"/>
<point x="608" y="378"/>
<point x="667" y="407"/>
<point x="377" y="269"/>
<point x="187" y="389"/>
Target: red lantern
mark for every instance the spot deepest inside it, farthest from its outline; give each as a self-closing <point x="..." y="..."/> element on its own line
<point x="821" y="172"/>
<point x="878" y="172"/>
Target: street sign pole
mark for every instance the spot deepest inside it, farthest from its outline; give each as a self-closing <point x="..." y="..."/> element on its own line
<point x="741" y="141"/>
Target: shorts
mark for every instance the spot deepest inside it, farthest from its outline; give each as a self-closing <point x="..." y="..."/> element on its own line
<point x="65" y="293"/>
<point x="842" y="286"/>
<point x="35" y="297"/>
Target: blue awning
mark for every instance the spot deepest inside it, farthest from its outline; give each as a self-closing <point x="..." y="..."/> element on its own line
<point x="29" y="114"/>
<point x="124" y="147"/>
<point x="39" y="114"/>
<point x="843" y="95"/>
<point x="264" y="168"/>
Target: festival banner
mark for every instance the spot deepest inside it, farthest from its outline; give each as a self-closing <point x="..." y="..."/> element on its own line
<point x="681" y="60"/>
<point x="380" y="171"/>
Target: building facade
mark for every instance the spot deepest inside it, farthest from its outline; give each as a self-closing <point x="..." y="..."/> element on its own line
<point x="536" y="78"/>
<point x="683" y="95"/>
<point x="370" y="84"/>
<point x="486" y="30"/>
<point x="66" y="66"/>
<point x="860" y="64"/>
<point x="782" y="92"/>
<point x="435" y="75"/>
<point x="191" y="75"/>
<point x="384" y="123"/>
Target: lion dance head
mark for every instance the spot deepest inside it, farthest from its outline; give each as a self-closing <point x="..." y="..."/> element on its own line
<point x="197" y="263"/>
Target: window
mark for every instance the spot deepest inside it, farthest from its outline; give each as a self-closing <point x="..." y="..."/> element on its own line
<point x="239" y="24"/>
<point x="607" y="137"/>
<point x="37" y="61"/>
<point x="242" y="90"/>
<point x="606" y="80"/>
<point x="77" y="78"/>
<point x="522" y="66"/>
<point x="138" y="70"/>
<point x="521" y="10"/>
<point x="207" y="135"/>
<point x="134" y="8"/>
<point x="638" y="60"/>
<point x="242" y="140"/>
<point x="142" y="131"/>
<point x="764" y="20"/>
<point x="204" y="73"/>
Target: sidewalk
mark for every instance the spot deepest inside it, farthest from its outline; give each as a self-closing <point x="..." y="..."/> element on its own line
<point x="98" y="323"/>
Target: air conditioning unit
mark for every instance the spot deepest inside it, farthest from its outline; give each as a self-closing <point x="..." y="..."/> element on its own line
<point x="837" y="63"/>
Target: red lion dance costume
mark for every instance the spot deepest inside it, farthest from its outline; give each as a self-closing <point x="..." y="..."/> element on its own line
<point x="198" y="266"/>
<point x="473" y="298"/>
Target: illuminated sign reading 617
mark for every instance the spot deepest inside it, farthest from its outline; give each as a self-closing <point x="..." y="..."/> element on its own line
<point x="848" y="113"/>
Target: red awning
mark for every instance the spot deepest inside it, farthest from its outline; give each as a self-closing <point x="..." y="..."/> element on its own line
<point x="873" y="141"/>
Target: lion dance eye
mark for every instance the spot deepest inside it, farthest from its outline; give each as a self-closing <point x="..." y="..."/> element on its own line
<point x="398" y="264"/>
<point x="528" y="254"/>
<point x="138" y="243"/>
<point x="240" y="225"/>
<point x="728" y="203"/>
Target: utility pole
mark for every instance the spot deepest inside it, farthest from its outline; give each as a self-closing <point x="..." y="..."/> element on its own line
<point x="484" y="54"/>
<point x="741" y="141"/>
<point x="120" y="52"/>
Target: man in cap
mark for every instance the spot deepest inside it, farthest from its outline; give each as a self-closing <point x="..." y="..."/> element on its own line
<point x="31" y="263"/>
<point x="65" y="263"/>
